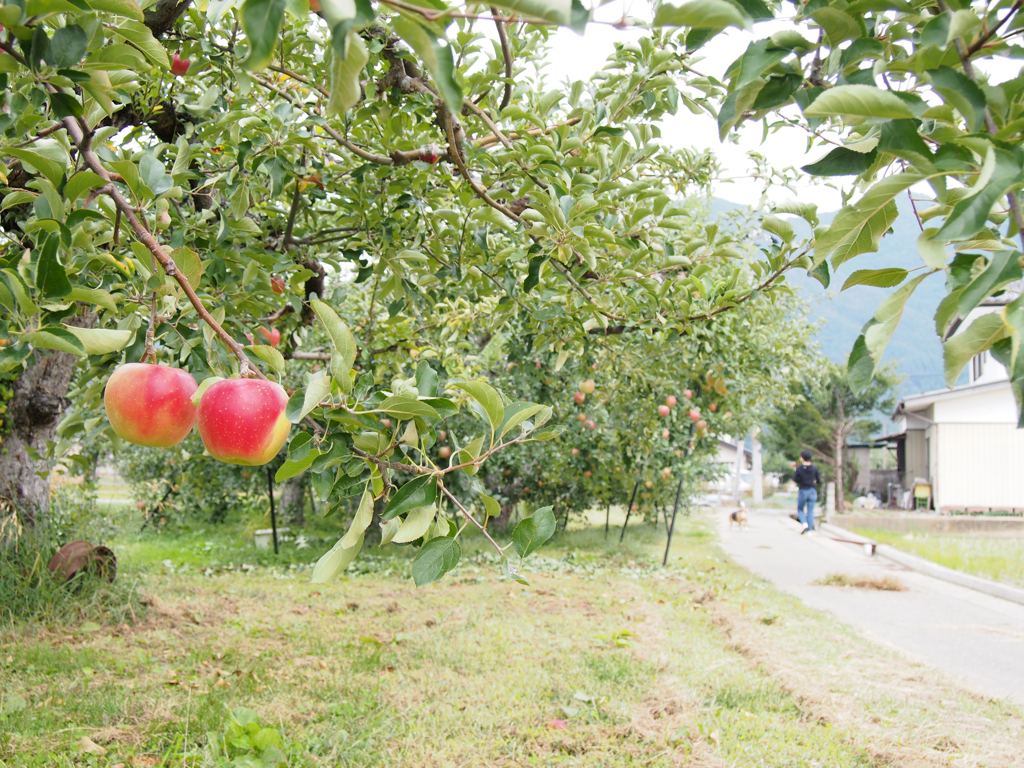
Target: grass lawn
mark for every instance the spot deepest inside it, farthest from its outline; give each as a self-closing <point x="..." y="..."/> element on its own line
<point x="607" y="660"/>
<point x="1000" y="558"/>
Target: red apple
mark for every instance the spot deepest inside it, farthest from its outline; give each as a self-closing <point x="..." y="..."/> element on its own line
<point x="664" y="410"/>
<point x="430" y="154"/>
<point x="179" y="66"/>
<point x="694" y="414"/>
<point x="249" y="337"/>
<point x="687" y="394"/>
<point x="579" y="397"/>
<point x="150" y="404"/>
<point x="581" y="417"/>
<point x="665" y="434"/>
<point x="593" y="367"/>
<point x="671" y="401"/>
<point x="575" y="451"/>
<point x="587" y="387"/>
<point x="277" y="284"/>
<point x="702" y="426"/>
<point x="314" y="6"/>
<point x="591" y="424"/>
<point x="713" y="407"/>
<point x="537" y="364"/>
<point x="588" y="473"/>
<point x="442" y="435"/>
<point x="272" y="336"/>
<point x="242" y="421"/>
<point x="444" y="451"/>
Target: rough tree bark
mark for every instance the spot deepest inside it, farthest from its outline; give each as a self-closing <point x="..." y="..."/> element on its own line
<point x="35" y="409"/>
<point x="293" y="501"/>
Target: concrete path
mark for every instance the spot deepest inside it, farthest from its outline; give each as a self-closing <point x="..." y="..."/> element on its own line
<point x="975" y="638"/>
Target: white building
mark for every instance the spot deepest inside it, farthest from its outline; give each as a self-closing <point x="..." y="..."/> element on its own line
<point x="964" y="441"/>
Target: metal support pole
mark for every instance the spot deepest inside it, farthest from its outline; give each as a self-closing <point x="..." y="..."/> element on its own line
<point x="629" y="510"/>
<point x="273" y="513"/>
<point x="671" y="528"/>
<point x="607" y="516"/>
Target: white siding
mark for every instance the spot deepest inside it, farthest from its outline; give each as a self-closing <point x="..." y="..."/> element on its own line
<point x="992" y="406"/>
<point x="978" y="465"/>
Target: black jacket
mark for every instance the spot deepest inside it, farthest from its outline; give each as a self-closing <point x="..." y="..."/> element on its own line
<point x="807" y="476"/>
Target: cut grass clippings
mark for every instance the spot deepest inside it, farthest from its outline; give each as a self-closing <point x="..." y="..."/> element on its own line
<point x="608" y="660"/>
<point x="1000" y="558"/>
<point x="883" y="583"/>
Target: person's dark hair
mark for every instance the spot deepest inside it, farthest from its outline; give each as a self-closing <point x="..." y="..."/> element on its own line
<point x="805" y="455"/>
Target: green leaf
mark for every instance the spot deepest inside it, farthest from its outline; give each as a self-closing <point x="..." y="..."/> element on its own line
<point x="975" y="339"/>
<point x="268" y="355"/>
<point x="516" y="414"/>
<point x="444" y="407"/>
<point x="343" y="341"/>
<point x="346" y="74"/>
<point x="189" y="264"/>
<point x="101" y="341"/>
<point x="360" y="521"/>
<point x="406" y="408"/>
<point x="859" y="228"/>
<point x="877" y="278"/>
<point x="37" y="161"/>
<point x="858" y="101"/>
<point x="933" y="253"/>
<point x="821" y="274"/>
<point x="292" y="468"/>
<point x="778" y="227"/>
<point x="860" y="367"/>
<point x="335" y="561"/>
<point x="471" y="453"/>
<point x="436" y="558"/>
<point x="838" y="25"/>
<point x="557" y="11"/>
<point x="879" y="330"/>
<point x="491" y="506"/>
<point x="437" y="57"/>
<point x="204" y="385"/>
<point x="548" y="434"/>
<point x="963" y="93"/>
<point x="95" y="296"/>
<point x="20" y="291"/>
<point x="1003" y="267"/>
<point x="531" y="532"/>
<point x="68" y="45"/>
<point x="968" y="217"/>
<point x="262" y="20"/>
<point x="426" y="379"/>
<point x="415" y="524"/>
<point x="138" y="35"/>
<point x="842" y="162"/>
<point x="51" y="278"/>
<point x="127" y="8"/>
<point x="703" y="14"/>
<point x="318" y="386"/>
<point x="488" y="398"/>
<point x="388" y="530"/>
<point x="55" y="337"/>
<point x="419" y="492"/>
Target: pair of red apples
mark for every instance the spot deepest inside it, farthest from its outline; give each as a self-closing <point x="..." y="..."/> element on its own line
<point x="241" y="421"/>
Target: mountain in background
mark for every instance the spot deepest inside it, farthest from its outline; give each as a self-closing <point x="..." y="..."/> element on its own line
<point x="915" y="348"/>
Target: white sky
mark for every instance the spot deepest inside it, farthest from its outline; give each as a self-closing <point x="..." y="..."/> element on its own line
<point x="578" y="57"/>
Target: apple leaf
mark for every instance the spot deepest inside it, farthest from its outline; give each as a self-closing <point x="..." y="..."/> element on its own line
<point x="406" y="408"/>
<point x="488" y="398"/>
<point x="491" y="506"/>
<point x="318" y="386"/>
<point x="335" y="561"/>
<point x="979" y="336"/>
<point x="204" y="385"/>
<point x="531" y="532"/>
<point x="262" y="20"/>
<point x="55" y="337"/>
<point x="416" y="524"/>
<point x="268" y="355"/>
<point x="360" y="522"/>
<point x="344" y="355"/>
<point x="435" y="559"/>
<point x="418" y="492"/>
<point x="878" y="278"/>
<point x="517" y="413"/>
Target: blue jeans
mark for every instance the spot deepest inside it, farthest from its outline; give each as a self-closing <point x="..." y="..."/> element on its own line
<point x="806" y="497"/>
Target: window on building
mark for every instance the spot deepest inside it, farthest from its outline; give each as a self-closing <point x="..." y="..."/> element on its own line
<point x="977" y="366"/>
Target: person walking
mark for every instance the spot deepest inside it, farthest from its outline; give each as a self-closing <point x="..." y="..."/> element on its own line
<point x="807" y="478"/>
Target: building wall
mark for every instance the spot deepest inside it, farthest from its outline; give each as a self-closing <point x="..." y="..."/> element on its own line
<point x="917" y="463"/>
<point x="979" y="466"/>
<point x="992" y="406"/>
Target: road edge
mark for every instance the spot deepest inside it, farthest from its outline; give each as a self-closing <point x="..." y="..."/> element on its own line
<point x="927" y="567"/>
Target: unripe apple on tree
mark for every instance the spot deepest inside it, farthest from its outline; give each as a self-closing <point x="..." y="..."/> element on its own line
<point x="702" y="426"/>
<point x="671" y="401"/>
<point x="687" y="394"/>
<point x="591" y="424"/>
<point x="150" y="404"/>
<point x="163" y="220"/>
<point x="537" y="364"/>
<point x="444" y="451"/>
<point x="664" y="411"/>
<point x="179" y="66"/>
<point x="728" y="415"/>
<point x="579" y="397"/>
<point x="277" y="284"/>
<point x="587" y="387"/>
<point x="242" y="421"/>
<point x="587" y="474"/>
<point x="575" y="451"/>
<point x="442" y="435"/>
<point x="694" y="414"/>
<point x="386" y="423"/>
<point x="648" y="484"/>
<point x="273" y="336"/>
<point x="665" y="434"/>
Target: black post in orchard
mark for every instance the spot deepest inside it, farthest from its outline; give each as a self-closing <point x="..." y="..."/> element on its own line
<point x="273" y="513"/>
<point x="672" y="527"/>
<point x="607" y="515"/>
<point x="629" y="509"/>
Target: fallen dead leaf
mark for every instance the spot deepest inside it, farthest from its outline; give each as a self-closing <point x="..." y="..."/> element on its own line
<point x="90" y="747"/>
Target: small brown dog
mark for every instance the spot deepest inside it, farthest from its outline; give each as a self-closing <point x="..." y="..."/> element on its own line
<point x="739" y="516"/>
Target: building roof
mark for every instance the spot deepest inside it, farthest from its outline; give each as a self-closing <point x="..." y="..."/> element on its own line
<point x="925" y="399"/>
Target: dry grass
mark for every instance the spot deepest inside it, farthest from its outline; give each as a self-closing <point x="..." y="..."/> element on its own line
<point x="882" y="583"/>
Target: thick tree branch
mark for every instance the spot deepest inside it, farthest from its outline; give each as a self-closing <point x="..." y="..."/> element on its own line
<point x="454" y="153"/>
<point x="489" y="140"/>
<point x="506" y="52"/>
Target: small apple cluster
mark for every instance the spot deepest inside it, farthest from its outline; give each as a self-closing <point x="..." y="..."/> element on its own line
<point x="241" y="421"/>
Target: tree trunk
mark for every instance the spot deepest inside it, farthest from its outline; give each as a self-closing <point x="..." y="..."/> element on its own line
<point x="36" y="408"/>
<point x="503" y="520"/>
<point x="293" y="501"/>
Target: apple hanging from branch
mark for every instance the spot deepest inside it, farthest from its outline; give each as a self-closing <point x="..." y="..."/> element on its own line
<point x="179" y="66"/>
<point x="242" y="421"/>
<point x="151" y="405"/>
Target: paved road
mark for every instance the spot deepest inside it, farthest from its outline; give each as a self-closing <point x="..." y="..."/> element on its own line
<point x="976" y="638"/>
